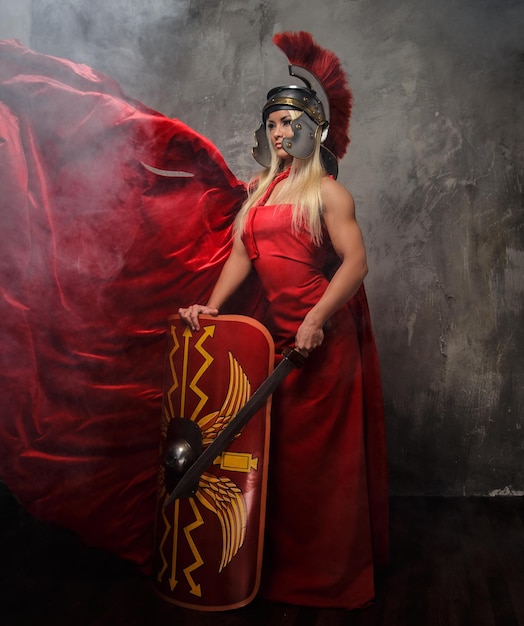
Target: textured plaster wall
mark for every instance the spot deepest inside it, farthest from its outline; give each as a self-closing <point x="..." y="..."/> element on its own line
<point x="435" y="165"/>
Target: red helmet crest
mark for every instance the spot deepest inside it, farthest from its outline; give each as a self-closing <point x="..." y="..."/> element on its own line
<point x="303" y="52"/>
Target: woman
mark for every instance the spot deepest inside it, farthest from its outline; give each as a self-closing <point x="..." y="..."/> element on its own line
<point x="321" y="528"/>
<point x="334" y="212"/>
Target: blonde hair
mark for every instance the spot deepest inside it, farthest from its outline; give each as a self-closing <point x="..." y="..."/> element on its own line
<point x="301" y="189"/>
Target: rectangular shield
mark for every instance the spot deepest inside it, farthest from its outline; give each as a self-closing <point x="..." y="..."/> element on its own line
<point x="208" y="547"/>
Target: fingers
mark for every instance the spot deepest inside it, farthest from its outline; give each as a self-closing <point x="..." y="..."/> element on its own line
<point x="305" y="343"/>
<point x="305" y="350"/>
<point x="190" y="314"/>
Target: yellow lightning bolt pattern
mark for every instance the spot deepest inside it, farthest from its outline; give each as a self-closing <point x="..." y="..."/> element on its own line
<point x="209" y="331"/>
<point x="164" y="539"/>
<point x="194" y="588"/>
<point x="175" y="385"/>
<point x="187" y="334"/>
<point x="172" y="579"/>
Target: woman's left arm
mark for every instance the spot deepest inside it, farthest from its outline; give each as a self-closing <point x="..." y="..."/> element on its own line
<point x="346" y="237"/>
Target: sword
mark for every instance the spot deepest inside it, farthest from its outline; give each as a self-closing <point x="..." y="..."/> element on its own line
<point x="188" y="483"/>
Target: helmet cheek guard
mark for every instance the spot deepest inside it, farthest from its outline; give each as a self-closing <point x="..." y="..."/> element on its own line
<point x="261" y="150"/>
<point x="302" y="144"/>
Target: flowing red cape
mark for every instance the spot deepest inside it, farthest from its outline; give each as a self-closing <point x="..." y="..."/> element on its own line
<point x="96" y="253"/>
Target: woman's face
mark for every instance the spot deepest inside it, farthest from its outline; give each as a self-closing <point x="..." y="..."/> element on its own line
<point x="279" y="127"/>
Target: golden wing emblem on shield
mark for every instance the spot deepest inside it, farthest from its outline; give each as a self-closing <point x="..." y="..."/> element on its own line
<point x="225" y="499"/>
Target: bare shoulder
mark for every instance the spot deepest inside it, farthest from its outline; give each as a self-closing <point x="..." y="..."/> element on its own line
<point x="336" y="198"/>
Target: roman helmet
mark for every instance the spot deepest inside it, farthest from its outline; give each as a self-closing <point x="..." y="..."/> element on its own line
<point x="325" y="101"/>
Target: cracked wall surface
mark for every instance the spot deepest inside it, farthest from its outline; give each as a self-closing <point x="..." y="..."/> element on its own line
<point x="435" y="166"/>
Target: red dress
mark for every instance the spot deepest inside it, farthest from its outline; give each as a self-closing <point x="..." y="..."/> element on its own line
<point x="321" y="541"/>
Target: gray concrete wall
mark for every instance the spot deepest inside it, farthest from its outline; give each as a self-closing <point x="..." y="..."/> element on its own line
<point x="15" y="20"/>
<point x="435" y="164"/>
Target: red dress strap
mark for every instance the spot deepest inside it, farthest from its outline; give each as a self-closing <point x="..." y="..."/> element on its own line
<point x="273" y="184"/>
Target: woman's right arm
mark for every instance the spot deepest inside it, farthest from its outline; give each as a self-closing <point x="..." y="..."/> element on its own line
<point x="233" y="274"/>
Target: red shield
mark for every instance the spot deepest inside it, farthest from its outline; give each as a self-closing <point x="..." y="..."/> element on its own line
<point x="208" y="548"/>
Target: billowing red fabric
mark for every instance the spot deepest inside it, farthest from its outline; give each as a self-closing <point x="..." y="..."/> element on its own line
<point x="326" y="523"/>
<point x="96" y="252"/>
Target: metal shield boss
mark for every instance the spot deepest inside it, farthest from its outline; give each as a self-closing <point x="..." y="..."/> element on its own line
<point x="208" y="546"/>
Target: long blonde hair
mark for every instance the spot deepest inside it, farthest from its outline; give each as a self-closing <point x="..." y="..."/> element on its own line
<point x="301" y="189"/>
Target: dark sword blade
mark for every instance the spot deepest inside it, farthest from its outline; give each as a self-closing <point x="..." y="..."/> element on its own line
<point x="188" y="484"/>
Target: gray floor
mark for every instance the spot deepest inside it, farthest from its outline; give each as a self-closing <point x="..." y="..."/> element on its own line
<point x="455" y="561"/>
